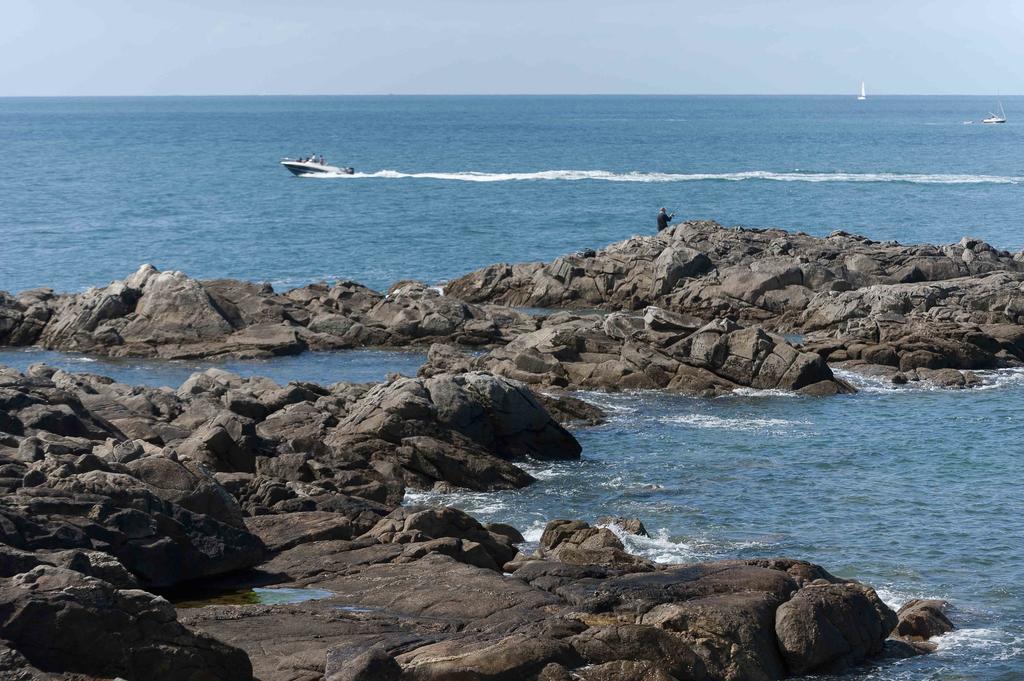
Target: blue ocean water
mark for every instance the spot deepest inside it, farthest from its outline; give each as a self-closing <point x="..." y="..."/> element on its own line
<point x="93" y="187"/>
<point x="918" y="492"/>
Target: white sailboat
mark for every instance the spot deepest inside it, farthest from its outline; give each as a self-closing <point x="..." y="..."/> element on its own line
<point x="863" y="93"/>
<point x="996" y="118"/>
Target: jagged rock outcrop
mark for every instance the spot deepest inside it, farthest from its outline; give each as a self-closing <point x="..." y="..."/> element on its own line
<point x="658" y="350"/>
<point x="303" y="482"/>
<point x="170" y="315"/>
<point x="577" y="543"/>
<point x="961" y="323"/>
<point x="957" y="306"/>
<point x="705" y="269"/>
<point x="170" y="503"/>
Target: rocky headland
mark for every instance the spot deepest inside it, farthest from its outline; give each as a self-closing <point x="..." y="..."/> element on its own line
<point x="877" y="307"/>
<point x="120" y="501"/>
<point x="698" y="308"/>
<point x="117" y="498"/>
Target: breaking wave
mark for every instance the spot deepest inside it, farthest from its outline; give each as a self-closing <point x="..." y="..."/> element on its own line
<point x="763" y="175"/>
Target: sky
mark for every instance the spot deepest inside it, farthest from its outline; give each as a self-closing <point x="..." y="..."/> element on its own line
<point x="236" y="47"/>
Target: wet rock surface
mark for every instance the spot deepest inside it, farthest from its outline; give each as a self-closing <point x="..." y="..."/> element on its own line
<point x="230" y="483"/>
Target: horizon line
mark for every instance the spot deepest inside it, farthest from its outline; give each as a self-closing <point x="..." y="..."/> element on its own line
<point x="505" y="94"/>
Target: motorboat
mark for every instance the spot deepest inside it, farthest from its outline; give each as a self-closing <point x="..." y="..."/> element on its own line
<point x="311" y="166"/>
<point x="996" y="117"/>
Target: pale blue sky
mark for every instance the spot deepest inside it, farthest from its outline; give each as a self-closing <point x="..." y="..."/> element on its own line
<point x="161" y="47"/>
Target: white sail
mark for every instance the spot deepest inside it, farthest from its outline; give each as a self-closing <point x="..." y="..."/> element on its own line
<point x="863" y="92"/>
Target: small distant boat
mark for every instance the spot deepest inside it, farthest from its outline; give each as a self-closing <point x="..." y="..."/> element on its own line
<point x="996" y="118"/>
<point x="863" y="93"/>
<point x="311" y="166"/>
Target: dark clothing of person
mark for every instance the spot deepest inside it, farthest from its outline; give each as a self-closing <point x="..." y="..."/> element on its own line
<point x="663" y="219"/>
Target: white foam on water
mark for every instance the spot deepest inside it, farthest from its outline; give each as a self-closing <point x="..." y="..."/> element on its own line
<point x="533" y="533"/>
<point x="757" y="175"/>
<point x="755" y="392"/>
<point x="767" y="426"/>
<point x="896" y="597"/>
<point x="992" y="644"/>
<point x="614" y="403"/>
<point x="473" y="503"/>
<point x="660" y="547"/>
<point x="1000" y="378"/>
<point x="994" y="379"/>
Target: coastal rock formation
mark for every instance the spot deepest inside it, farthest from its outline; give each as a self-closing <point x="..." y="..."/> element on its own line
<point x="110" y="489"/>
<point x="163" y="481"/>
<point x="170" y="315"/>
<point x="829" y="627"/>
<point x="658" y="350"/>
<point x="960" y="323"/>
<point x="867" y="304"/>
<point x="438" y="615"/>
<point x="577" y="543"/>
<point x="957" y="306"/>
<point x="705" y="269"/>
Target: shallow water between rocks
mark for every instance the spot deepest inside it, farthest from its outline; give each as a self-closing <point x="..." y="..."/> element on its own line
<point x="916" y="491"/>
<point x="255" y="596"/>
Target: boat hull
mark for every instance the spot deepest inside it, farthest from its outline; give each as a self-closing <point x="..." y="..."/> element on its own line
<point x="303" y="168"/>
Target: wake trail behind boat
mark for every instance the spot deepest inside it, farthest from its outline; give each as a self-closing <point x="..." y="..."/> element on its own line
<point x="753" y="175"/>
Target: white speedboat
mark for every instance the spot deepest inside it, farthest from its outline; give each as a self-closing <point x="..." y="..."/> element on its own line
<point x="301" y="166"/>
<point x="996" y="118"/>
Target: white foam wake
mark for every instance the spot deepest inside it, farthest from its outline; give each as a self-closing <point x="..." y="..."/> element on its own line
<point x="764" y="175"/>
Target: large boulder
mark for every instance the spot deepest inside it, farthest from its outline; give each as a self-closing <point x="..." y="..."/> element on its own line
<point x="412" y="524"/>
<point x="831" y="627"/>
<point x="63" y="621"/>
<point x="498" y="414"/>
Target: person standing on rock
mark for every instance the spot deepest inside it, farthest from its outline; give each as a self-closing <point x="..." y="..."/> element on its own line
<point x="663" y="218"/>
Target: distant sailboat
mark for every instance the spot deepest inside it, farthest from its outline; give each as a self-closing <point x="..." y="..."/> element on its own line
<point x="863" y="93"/>
<point x="996" y="118"/>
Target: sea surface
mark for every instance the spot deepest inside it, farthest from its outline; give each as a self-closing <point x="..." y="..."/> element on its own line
<point x="919" y="492"/>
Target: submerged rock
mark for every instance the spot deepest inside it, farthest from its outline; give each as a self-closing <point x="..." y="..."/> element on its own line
<point x="922" y="619"/>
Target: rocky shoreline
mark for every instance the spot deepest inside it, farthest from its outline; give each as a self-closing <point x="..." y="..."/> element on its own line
<point x="698" y="308"/>
<point x="114" y="494"/>
<point x="119" y="499"/>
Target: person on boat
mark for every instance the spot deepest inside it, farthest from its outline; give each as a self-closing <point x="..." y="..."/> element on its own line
<point x="663" y="219"/>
